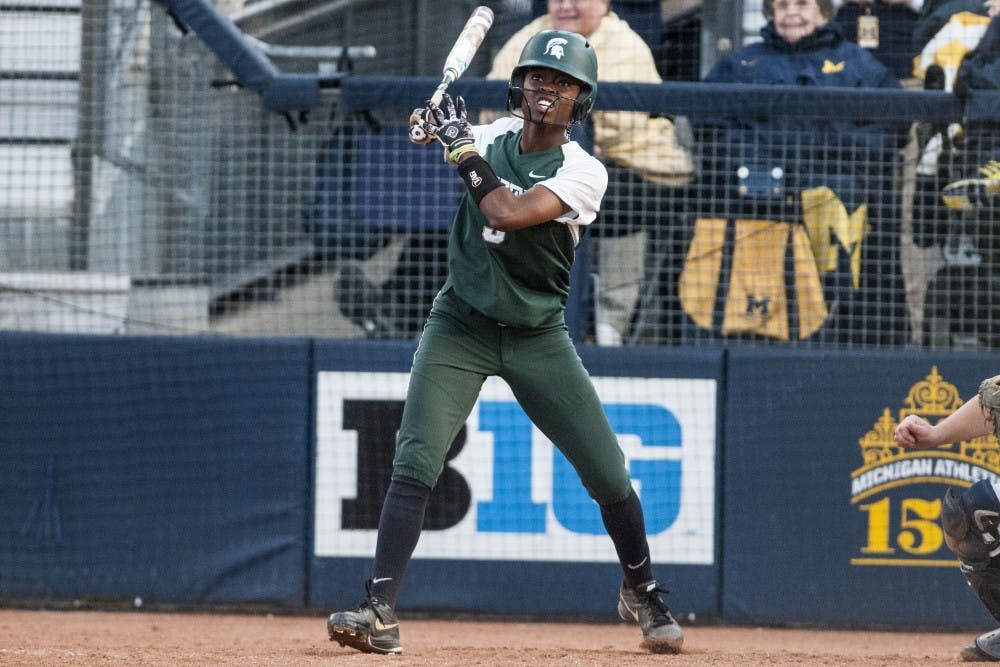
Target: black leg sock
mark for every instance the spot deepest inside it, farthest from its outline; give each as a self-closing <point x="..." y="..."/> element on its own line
<point x="627" y="528"/>
<point x="399" y="528"/>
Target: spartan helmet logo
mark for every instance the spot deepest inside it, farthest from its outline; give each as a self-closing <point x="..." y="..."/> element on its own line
<point x="555" y="47"/>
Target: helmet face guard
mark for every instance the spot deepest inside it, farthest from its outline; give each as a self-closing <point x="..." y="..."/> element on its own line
<point x="970" y="520"/>
<point x="565" y="52"/>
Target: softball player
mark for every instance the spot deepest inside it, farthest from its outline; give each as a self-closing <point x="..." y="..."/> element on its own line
<point x="970" y="518"/>
<point x="530" y="192"/>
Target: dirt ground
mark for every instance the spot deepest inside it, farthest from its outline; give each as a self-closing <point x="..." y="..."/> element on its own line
<point x="99" y="638"/>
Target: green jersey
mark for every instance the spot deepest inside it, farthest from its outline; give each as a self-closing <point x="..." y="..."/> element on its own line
<point x="521" y="278"/>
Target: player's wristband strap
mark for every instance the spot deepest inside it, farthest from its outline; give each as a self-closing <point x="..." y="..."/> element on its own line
<point x="461" y="150"/>
<point x="479" y="177"/>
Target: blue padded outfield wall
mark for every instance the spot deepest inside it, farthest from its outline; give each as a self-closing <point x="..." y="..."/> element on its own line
<point x="222" y="471"/>
<point x="173" y="470"/>
<point x="825" y="518"/>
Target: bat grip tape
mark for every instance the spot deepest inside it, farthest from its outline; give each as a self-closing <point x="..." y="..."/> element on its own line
<point x="479" y="177"/>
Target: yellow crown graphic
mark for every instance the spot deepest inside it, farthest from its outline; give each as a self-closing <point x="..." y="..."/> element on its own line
<point x="933" y="399"/>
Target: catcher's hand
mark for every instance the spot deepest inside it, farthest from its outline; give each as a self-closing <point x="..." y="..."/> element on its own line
<point x="915" y="433"/>
<point x="989" y="401"/>
<point x="450" y="126"/>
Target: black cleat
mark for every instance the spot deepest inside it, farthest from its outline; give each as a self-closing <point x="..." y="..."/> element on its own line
<point x="986" y="648"/>
<point x="973" y="653"/>
<point x="363" y="302"/>
<point x="371" y="628"/>
<point x="357" y="298"/>
<point x="642" y="604"/>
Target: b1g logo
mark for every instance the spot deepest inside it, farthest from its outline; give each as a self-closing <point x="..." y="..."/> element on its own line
<point x="506" y="493"/>
<point x="899" y="491"/>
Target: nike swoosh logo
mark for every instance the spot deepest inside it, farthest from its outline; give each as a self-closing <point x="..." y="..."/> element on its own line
<point x="641" y="563"/>
<point x="534" y="175"/>
<point x="378" y="580"/>
<point x="634" y="613"/>
<point x="381" y="627"/>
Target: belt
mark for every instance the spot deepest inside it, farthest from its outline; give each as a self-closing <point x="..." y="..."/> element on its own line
<point x="466" y="308"/>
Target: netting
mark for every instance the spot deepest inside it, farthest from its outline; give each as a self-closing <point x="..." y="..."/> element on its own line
<point x="225" y="184"/>
<point x="142" y="191"/>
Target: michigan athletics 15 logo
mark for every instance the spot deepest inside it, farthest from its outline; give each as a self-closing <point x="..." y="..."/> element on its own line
<point x="899" y="491"/>
<point x="506" y="493"/>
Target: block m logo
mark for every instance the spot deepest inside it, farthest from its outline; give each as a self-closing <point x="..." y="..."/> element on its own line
<point x="758" y="305"/>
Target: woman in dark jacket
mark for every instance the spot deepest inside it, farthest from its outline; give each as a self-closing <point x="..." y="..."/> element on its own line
<point x="798" y="42"/>
<point x="768" y="164"/>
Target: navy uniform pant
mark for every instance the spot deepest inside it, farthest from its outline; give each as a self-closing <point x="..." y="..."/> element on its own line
<point x="459" y="349"/>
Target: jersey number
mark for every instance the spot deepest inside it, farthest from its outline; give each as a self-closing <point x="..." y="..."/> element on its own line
<point x="491" y="235"/>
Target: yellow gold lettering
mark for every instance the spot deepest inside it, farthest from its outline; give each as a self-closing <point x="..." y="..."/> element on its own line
<point x="920" y="533"/>
<point x="878" y="528"/>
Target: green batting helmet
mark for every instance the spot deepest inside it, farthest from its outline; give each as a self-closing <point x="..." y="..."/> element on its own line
<point x="566" y="52"/>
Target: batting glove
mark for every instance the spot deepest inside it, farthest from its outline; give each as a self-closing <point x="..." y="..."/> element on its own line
<point x="451" y="127"/>
<point x="419" y="127"/>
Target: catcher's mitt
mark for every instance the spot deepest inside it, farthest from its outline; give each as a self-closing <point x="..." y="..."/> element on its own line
<point x="989" y="401"/>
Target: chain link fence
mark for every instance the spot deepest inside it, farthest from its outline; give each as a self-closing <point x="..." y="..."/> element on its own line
<point x="145" y="189"/>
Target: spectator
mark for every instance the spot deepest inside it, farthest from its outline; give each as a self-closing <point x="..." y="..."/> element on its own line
<point x="645" y="162"/>
<point x="945" y="32"/>
<point x="958" y="196"/>
<point x="832" y="175"/>
<point x="885" y="28"/>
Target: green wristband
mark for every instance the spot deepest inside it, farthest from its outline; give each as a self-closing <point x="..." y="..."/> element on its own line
<point x="461" y="150"/>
